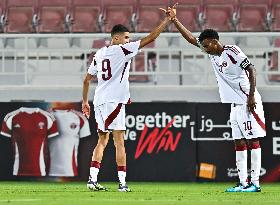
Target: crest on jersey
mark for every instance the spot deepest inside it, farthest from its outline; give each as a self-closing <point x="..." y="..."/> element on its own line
<point x="17" y="126"/>
<point x="41" y="125"/>
<point x="73" y="125"/>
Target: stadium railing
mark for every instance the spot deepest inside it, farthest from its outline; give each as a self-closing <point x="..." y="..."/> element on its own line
<point x="40" y="66"/>
<point x="61" y="59"/>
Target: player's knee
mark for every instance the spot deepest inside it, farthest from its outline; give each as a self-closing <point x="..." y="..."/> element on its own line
<point x="103" y="142"/>
<point x="119" y="143"/>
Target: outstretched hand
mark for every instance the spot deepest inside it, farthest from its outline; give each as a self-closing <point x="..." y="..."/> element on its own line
<point x="170" y="12"/>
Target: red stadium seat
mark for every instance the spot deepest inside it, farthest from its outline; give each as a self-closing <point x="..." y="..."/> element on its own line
<point x="97" y="44"/>
<point x="19" y="16"/>
<point x="53" y="15"/>
<point x="275" y="15"/>
<point x="86" y="15"/>
<point x="139" y="67"/>
<point x="119" y="12"/>
<point x="148" y="14"/>
<point x="188" y="12"/>
<point x="139" y="61"/>
<point x="252" y="15"/>
<point x="218" y="14"/>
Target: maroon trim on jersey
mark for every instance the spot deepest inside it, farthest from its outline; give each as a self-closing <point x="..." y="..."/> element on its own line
<point x="129" y="101"/>
<point x="125" y="51"/>
<point x="95" y="164"/>
<point x="243" y="90"/>
<point x="258" y="119"/>
<point x="82" y="122"/>
<point x="125" y="65"/>
<point x="112" y="116"/>
<point x="122" y="168"/>
<point x="232" y="48"/>
<point x="240" y="147"/>
<point x="231" y="59"/>
<point x="74" y="164"/>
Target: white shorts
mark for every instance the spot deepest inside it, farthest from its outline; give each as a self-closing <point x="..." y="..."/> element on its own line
<point x="110" y="116"/>
<point x="245" y="124"/>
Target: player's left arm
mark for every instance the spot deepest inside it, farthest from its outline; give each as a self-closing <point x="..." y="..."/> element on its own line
<point x="251" y="103"/>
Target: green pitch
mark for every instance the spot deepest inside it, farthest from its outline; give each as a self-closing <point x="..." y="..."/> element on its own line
<point x="41" y="193"/>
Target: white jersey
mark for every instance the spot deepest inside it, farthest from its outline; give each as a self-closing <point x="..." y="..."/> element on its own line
<point x="231" y="74"/>
<point x="111" y="65"/>
<point x="72" y="126"/>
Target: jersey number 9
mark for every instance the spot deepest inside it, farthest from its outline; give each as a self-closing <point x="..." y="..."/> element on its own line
<point x="106" y="69"/>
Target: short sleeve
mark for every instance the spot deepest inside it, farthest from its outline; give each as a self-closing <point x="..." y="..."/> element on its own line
<point x="130" y="49"/>
<point x="237" y="56"/>
<point x="7" y="126"/>
<point x="92" y="70"/>
<point x="52" y="126"/>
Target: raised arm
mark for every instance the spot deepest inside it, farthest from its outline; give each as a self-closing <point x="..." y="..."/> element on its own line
<point x="185" y="32"/>
<point x="171" y="12"/>
<point x="155" y="33"/>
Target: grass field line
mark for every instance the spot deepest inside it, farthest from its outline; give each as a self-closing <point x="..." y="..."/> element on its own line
<point x="19" y="200"/>
<point x="133" y="200"/>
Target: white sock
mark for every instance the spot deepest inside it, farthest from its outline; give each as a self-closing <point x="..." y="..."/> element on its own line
<point x="255" y="166"/>
<point x="93" y="173"/>
<point x="241" y="164"/>
<point x="122" y="175"/>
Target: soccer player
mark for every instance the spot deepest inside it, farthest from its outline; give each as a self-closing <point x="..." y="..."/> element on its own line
<point x="111" y="64"/>
<point x="236" y="77"/>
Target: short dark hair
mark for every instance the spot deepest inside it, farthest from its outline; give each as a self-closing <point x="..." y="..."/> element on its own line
<point x="119" y="28"/>
<point x="208" y="33"/>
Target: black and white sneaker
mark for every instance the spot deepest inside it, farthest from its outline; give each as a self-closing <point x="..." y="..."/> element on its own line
<point x="95" y="186"/>
<point x="123" y="188"/>
<point x="251" y="188"/>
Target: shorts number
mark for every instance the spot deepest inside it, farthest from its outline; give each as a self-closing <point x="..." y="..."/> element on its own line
<point x="106" y="69"/>
<point x="247" y="125"/>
